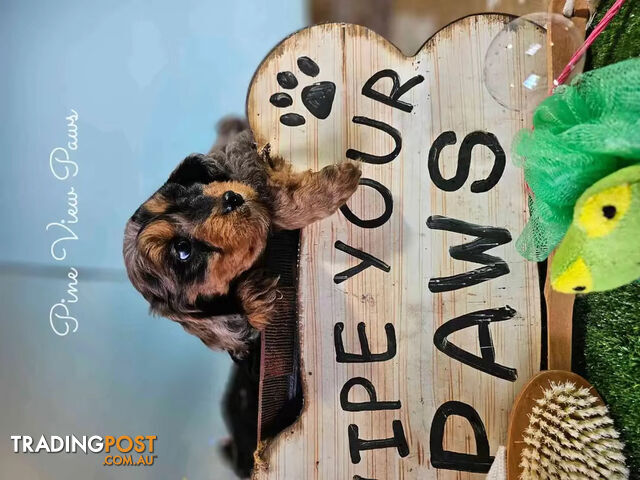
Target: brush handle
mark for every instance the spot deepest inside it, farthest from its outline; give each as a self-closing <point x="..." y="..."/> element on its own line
<point x="560" y="305"/>
<point x="559" y="325"/>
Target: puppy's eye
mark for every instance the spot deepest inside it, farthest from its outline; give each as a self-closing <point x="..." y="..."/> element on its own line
<point x="183" y="249"/>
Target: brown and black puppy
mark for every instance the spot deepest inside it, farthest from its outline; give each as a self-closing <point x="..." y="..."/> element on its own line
<point x="193" y="248"/>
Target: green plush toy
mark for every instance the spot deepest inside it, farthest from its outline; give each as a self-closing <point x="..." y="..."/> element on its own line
<point x="582" y="163"/>
<point x="601" y="249"/>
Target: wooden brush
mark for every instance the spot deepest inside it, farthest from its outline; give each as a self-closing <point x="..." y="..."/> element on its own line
<point x="559" y="426"/>
<point x="562" y="430"/>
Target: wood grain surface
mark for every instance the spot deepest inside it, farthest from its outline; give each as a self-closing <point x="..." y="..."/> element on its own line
<point x="422" y="378"/>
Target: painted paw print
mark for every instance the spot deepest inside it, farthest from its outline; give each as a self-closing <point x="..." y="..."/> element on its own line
<point x="317" y="97"/>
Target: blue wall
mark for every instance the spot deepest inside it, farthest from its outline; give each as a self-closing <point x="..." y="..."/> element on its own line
<point x="149" y="80"/>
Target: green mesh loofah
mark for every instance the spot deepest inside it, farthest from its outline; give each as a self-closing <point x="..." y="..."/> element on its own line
<point x="582" y="133"/>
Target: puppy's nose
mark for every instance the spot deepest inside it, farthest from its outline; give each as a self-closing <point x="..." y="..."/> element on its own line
<point x="231" y="201"/>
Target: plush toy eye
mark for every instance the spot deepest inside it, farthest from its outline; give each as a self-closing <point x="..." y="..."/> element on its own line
<point x="601" y="212"/>
<point x="183" y="249"/>
<point x="609" y="211"/>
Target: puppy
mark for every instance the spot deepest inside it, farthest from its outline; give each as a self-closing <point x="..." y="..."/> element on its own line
<point x="194" y="248"/>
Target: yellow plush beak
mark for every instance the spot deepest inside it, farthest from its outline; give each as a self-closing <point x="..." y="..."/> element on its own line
<point x="576" y="278"/>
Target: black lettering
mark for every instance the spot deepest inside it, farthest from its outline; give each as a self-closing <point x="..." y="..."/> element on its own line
<point x="376" y="159"/>
<point x="358" y="477"/>
<point x="462" y="462"/>
<point x="444" y="139"/>
<point x="372" y="404"/>
<point x="356" y="444"/>
<point x="482" y="319"/>
<point x="366" y="355"/>
<point x="464" y="161"/>
<point x="397" y="90"/>
<point x="488" y="237"/>
<point x="375" y="222"/>
<point x="368" y="260"/>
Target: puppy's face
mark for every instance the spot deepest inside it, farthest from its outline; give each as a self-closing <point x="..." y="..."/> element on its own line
<point x="185" y="246"/>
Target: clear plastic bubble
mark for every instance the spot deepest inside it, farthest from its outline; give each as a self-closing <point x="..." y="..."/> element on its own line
<point x="515" y="66"/>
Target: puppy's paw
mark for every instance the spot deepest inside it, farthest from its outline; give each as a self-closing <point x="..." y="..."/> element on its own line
<point x="301" y="198"/>
<point x="258" y="294"/>
<point x="345" y="178"/>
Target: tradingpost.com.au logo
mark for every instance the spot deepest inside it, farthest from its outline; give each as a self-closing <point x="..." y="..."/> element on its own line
<point x="123" y="450"/>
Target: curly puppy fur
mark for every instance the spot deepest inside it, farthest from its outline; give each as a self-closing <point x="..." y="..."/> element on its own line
<point x="194" y="248"/>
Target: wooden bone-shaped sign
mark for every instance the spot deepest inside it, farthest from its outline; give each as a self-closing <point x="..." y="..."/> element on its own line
<point x="419" y="322"/>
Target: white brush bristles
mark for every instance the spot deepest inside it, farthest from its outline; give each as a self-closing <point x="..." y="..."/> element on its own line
<point x="571" y="436"/>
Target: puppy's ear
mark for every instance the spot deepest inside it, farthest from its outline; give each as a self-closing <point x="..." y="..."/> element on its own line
<point x="227" y="129"/>
<point x="258" y="294"/>
<point x="221" y="332"/>
<point x="198" y="168"/>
